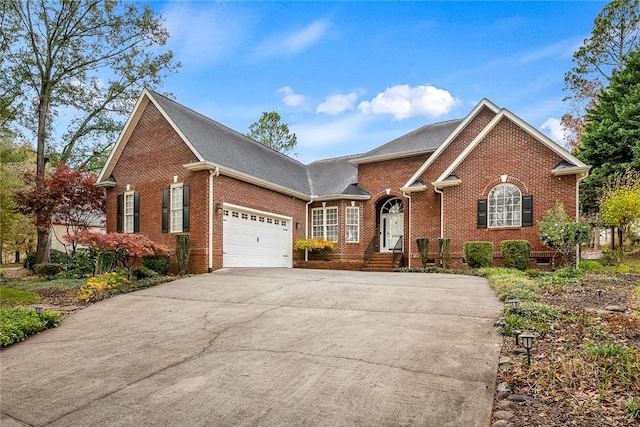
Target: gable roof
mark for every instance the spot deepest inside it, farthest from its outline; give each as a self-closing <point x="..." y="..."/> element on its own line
<point x="423" y="140"/>
<point x="570" y="166"/>
<point x="217" y="146"/>
<point x="484" y="103"/>
<point x="334" y="179"/>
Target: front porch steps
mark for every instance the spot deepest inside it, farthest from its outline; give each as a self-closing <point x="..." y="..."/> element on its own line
<point x="381" y="261"/>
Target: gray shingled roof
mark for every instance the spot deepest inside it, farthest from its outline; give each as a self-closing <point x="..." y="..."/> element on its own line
<point x="425" y="139"/>
<point x="227" y="148"/>
<point x="333" y="177"/>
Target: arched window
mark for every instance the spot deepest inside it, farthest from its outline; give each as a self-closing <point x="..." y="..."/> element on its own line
<point x="505" y="206"/>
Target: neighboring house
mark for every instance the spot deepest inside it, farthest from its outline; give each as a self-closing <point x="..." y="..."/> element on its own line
<point x="59" y="230"/>
<point x="487" y="177"/>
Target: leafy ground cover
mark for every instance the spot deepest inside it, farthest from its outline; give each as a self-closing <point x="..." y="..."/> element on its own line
<point x="585" y="368"/>
<point x="20" y="290"/>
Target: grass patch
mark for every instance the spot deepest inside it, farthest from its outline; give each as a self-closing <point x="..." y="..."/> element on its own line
<point x="510" y="283"/>
<point x="16" y="324"/>
<point x="13" y="297"/>
<point x="34" y="283"/>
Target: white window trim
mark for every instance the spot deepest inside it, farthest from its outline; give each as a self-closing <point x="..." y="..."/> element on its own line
<point x="171" y="209"/>
<point x="128" y="195"/>
<point x="489" y="219"/>
<point x="324" y="224"/>
<point x="347" y="225"/>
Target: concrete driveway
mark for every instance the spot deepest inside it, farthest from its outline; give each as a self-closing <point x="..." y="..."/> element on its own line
<point x="266" y="347"/>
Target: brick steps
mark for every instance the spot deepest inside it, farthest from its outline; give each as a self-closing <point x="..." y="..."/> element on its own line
<point x="380" y="262"/>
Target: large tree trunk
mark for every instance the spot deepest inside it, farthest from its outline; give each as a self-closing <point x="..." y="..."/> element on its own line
<point x="43" y="251"/>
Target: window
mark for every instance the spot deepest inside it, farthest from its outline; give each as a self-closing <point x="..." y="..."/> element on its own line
<point x="176" y="208"/>
<point x="352" y="224"/>
<point x="128" y="212"/>
<point x="324" y="223"/>
<point x="505" y="206"/>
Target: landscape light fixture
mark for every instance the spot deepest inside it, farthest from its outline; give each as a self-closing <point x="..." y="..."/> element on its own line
<point x="38" y="309"/>
<point x="515" y="334"/>
<point x="527" y="343"/>
<point x="514" y="304"/>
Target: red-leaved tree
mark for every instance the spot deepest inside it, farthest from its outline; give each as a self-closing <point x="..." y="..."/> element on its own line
<point x="68" y="196"/>
<point x="126" y="247"/>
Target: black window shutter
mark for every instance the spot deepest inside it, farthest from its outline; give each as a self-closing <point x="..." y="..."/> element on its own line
<point x="136" y="212"/>
<point x="120" y="225"/>
<point x="165" y="210"/>
<point x="482" y="213"/>
<point x="185" y="207"/>
<point x="527" y="211"/>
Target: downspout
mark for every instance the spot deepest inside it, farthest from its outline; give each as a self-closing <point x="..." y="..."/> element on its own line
<point x="410" y="241"/>
<point x="441" y="211"/>
<point x="578" y="181"/>
<point x="212" y="173"/>
<point x="306" y="227"/>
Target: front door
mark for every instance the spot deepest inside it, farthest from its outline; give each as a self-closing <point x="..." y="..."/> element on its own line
<point x="391" y="224"/>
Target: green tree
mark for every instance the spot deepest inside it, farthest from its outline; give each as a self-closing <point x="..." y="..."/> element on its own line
<point x="558" y="231"/>
<point x="615" y="33"/>
<point x="13" y="162"/>
<point x="86" y="58"/>
<point x="269" y="131"/>
<point x="620" y="203"/>
<point x="611" y="141"/>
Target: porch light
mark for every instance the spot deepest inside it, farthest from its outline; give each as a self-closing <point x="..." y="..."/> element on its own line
<point x="298" y="223"/>
<point x="514" y="303"/>
<point x="38" y="309"/>
<point x="219" y="208"/>
<point x="527" y="343"/>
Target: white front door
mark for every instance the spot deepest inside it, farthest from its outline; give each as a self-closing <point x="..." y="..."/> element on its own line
<point x="391" y="224"/>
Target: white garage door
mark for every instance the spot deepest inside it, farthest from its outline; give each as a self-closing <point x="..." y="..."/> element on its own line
<point x="255" y="239"/>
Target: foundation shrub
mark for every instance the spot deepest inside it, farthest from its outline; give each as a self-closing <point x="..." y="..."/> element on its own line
<point x="158" y="263"/>
<point x="516" y="253"/>
<point x="478" y="254"/>
<point x="423" y="249"/>
<point x="444" y="250"/>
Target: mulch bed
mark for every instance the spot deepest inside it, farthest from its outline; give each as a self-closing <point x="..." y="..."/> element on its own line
<point x="564" y="394"/>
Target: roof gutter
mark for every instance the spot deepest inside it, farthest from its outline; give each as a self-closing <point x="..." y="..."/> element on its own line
<point x="207" y="165"/>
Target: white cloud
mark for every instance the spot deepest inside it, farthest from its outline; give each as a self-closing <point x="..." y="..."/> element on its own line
<point x="293" y="43"/>
<point x="202" y="33"/>
<point x="290" y="98"/>
<point x="553" y="128"/>
<point x="336" y="104"/>
<point x="403" y="102"/>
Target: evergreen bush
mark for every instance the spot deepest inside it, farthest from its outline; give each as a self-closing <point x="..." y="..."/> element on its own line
<point x="478" y="254"/>
<point x="158" y="263"/>
<point x="444" y="250"/>
<point x="516" y="253"/>
<point x="423" y="249"/>
<point x="183" y="250"/>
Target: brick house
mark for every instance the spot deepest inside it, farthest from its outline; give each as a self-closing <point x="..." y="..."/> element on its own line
<point x="489" y="176"/>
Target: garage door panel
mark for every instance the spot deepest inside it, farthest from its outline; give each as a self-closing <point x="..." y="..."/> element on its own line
<point x="253" y="239"/>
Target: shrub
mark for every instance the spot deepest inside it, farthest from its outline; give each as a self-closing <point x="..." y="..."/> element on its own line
<point x="144" y="273"/>
<point x="314" y="245"/>
<point x="610" y="258"/>
<point x="58" y="257"/>
<point x="30" y="261"/>
<point x="16" y="324"/>
<point x="558" y="231"/>
<point x="423" y="249"/>
<point x="158" y="263"/>
<point x="183" y="249"/>
<point x="444" y="250"/>
<point x="100" y="286"/>
<point x="47" y="270"/>
<point x="478" y="254"/>
<point x="105" y="262"/>
<point x="590" y="265"/>
<point x="535" y="273"/>
<point x="79" y="264"/>
<point x="516" y="253"/>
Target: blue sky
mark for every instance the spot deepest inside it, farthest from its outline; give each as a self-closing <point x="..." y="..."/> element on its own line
<point x="349" y="76"/>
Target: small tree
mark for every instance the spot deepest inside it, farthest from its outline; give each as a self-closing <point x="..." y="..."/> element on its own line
<point x="620" y="204"/>
<point x="558" y="231"/>
<point x="183" y="250"/>
<point x="269" y="131"/>
<point x="444" y="250"/>
<point x="126" y="247"/>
